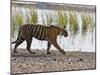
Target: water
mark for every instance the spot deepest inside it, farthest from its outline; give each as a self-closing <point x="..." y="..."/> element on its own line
<point x="77" y="43"/>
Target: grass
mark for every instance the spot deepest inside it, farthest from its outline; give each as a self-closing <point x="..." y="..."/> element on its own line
<point x="73" y="23"/>
<point x="27" y="18"/>
<point x="92" y="27"/>
<point x="62" y="19"/>
<point x="92" y="23"/>
<point x="17" y="21"/>
<point x="19" y="18"/>
<point x="33" y="16"/>
<point x="49" y="19"/>
<point x="85" y="24"/>
<point x="13" y="26"/>
<point x="59" y="18"/>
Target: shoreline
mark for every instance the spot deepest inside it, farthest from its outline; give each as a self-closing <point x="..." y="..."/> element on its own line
<point x="23" y="62"/>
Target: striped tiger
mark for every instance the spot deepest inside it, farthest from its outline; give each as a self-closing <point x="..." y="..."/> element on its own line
<point x="40" y="32"/>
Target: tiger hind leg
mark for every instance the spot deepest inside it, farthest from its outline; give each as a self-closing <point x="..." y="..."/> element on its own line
<point x="48" y="48"/>
<point x="29" y="45"/>
<point x="17" y="44"/>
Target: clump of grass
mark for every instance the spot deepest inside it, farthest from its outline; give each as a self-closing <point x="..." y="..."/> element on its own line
<point x="33" y="16"/>
<point x="43" y="19"/>
<point x="92" y="27"/>
<point x="85" y="24"/>
<point x="73" y="23"/>
<point x="18" y="18"/>
<point x="17" y="21"/>
<point x="27" y="18"/>
<point x="49" y="19"/>
<point x="13" y="26"/>
<point x="92" y="23"/>
<point x="62" y="19"/>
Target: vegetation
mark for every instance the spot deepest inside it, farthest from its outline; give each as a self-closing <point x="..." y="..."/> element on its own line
<point x="18" y="18"/>
<point x="62" y="19"/>
<point x="33" y="16"/>
<point x="85" y="24"/>
<point x="49" y="19"/>
<point x="17" y="21"/>
<point x="73" y="23"/>
<point x="92" y="24"/>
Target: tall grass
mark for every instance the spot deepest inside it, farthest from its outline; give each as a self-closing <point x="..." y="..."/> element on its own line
<point x="73" y="23"/>
<point x="13" y="26"/>
<point x="92" y="27"/>
<point x="49" y="19"/>
<point x="27" y="18"/>
<point x="85" y="24"/>
<point x="92" y="23"/>
<point x="62" y="19"/>
<point x="18" y="18"/>
<point x="17" y="21"/>
<point x="33" y="16"/>
<point x="43" y="19"/>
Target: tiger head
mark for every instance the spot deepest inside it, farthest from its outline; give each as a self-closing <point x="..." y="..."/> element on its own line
<point x="64" y="33"/>
<point x="60" y="30"/>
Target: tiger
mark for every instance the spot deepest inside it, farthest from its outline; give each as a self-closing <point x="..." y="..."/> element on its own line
<point x="47" y="33"/>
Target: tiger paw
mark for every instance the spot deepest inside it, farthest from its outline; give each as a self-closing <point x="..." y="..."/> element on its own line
<point x="32" y="52"/>
<point x="15" y="52"/>
<point x="48" y="52"/>
<point x="63" y="53"/>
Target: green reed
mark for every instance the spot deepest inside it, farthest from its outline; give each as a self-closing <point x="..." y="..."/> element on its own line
<point x="62" y="19"/>
<point x="92" y="23"/>
<point x="85" y="24"/>
<point x="27" y="17"/>
<point x="33" y="16"/>
<point x="17" y="21"/>
<point x="43" y="20"/>
<point x="13" y="26"/>
<point x="73" y="23"/>
<point x="92" y="27"/>
<point x="49" y="19"/>
<point x="18" y="18"/>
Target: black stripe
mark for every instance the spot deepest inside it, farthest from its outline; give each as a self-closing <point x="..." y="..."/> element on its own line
<point x="43" y="33"/>
<point x="40" y="32"/>
<point x="46" y="33"/>
<point x="36" y="34"/>
<point x="34" y="30"/>
<point x="26" y="32"/>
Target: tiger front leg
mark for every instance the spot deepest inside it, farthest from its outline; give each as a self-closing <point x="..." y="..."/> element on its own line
<point x="48" y="48"/>
<point x="29" y="45"/>
<point x="54" y="42"/>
